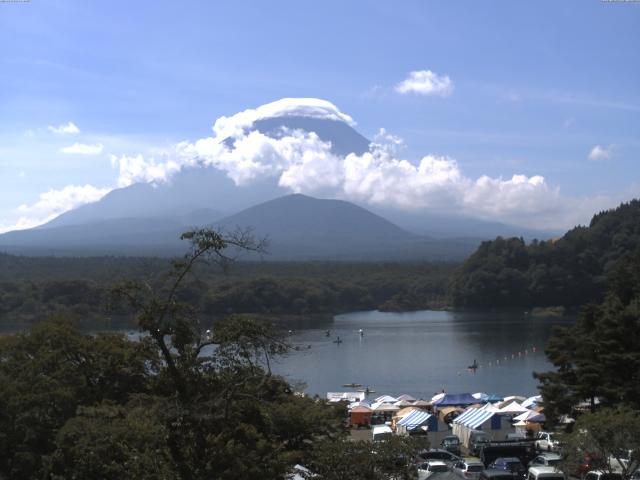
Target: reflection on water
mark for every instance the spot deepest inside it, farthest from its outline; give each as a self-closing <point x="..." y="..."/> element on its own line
<point x="422" y="353"/>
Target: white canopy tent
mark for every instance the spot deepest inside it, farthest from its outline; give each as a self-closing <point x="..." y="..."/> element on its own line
<point x="384" y="407"/>
<point x="513" y="408"/>
<point x="523" y="417"/>
<point x="386" y="399"/>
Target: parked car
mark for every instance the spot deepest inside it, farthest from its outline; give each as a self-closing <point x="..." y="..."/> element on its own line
<point x="545" y="441"/>
<point x="468" y="468"/>
<point x="621" y="461"/>
<point x="477" y="440"/>
<point x="601" y="475"/>
<point x="426" y="469"/>
<point x="451" y="444"/>
<point x="438" y="454"/>
<point x="381" y="432"/>
<point x="489" y="474"/>
<point x="590" y="461"/>
<point x="545" y="459"/>
<point x="545" y="473"/>
<point x="509" y="464"/>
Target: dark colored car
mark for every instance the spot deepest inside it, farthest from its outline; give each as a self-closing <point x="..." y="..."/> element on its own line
<point x="437" y="454"/>
<point x="546" y="460"/>
<point x="509" y="464"/>
<point x="590" y="461"/>
<point x="451" y="444"/>
<point x="492" y="474"/>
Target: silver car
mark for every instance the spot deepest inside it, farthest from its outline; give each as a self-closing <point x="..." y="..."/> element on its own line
<point x="469" y="468"/>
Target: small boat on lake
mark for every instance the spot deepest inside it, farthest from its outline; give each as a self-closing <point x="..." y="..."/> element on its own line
<point x="352" y="385"/>
<point x="337" y="340"/>
<point x="474" y="366"/>
<point x="366" y="391"/>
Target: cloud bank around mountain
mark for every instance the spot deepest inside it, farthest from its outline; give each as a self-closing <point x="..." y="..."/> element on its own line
<point x="52" y="203"/>
<point x="301" y="162"/>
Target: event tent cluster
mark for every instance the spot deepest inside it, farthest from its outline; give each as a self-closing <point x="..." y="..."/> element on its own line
<point x="446" y="413"/>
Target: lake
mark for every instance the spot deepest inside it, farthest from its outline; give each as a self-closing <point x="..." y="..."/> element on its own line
<point x="422" y="353"/>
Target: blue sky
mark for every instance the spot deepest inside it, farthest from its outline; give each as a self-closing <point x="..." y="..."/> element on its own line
<point x="535" y="86"/>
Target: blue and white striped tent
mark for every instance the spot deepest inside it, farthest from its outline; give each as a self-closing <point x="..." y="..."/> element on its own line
<point x="473" y="417"/>
<point x="415" y="419"/>
<point x="478" y="418"/>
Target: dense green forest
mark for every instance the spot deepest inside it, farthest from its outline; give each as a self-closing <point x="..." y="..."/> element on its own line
<point x="597" y="359"/>
<point x="568" y="271"/>
<point x="182" y="402"/>
<point x="33" y="288"/>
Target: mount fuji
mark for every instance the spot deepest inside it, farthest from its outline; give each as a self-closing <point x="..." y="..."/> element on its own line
<point x="147" y="217"/>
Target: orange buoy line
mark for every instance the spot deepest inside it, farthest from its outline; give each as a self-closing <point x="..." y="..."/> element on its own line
<point x="521" y="353"/>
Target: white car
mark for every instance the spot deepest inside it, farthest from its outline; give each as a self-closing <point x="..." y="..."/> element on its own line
<point x="546" y="442"/>
<point x="600" y="475"/>
<point x="545" y="473"/>
<point x="426" y="469"/>
<point x="469" y="468"/>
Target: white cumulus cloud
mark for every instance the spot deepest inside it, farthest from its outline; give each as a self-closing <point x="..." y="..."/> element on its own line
<point x="64" y="129"/>
<point x="136" y="169"/>
<point x="83" y="149"/>
<point x="52" y="203"/>
<point x="426" y="82"/>
<point x="235" y="125"/>
<point x="599" y="153"/>
<point x="301" y="162"/>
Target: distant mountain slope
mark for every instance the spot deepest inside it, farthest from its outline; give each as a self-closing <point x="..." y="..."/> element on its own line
<point x="299" y="226"/>
<point x="143" y="218"/>
<point x="207" y="187"/>
<point x="448" y="226"/>
<point x="113" y="236"/>
<point x="569" y="271"/>
<point x="299" y="217"/>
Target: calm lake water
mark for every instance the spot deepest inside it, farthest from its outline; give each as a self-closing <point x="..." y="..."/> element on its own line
<point x="421" y="353"/>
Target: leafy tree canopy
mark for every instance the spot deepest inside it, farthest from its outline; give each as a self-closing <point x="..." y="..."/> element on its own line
<point x="568" y="271"/>
<point x="597" y="360"/>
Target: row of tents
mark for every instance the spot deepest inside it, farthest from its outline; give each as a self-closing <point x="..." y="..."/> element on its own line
<point x="447" y="414"/>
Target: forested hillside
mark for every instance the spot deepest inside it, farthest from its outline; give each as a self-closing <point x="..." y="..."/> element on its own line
<point x="569" y="271"/>
<point x="33" y="289"/>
